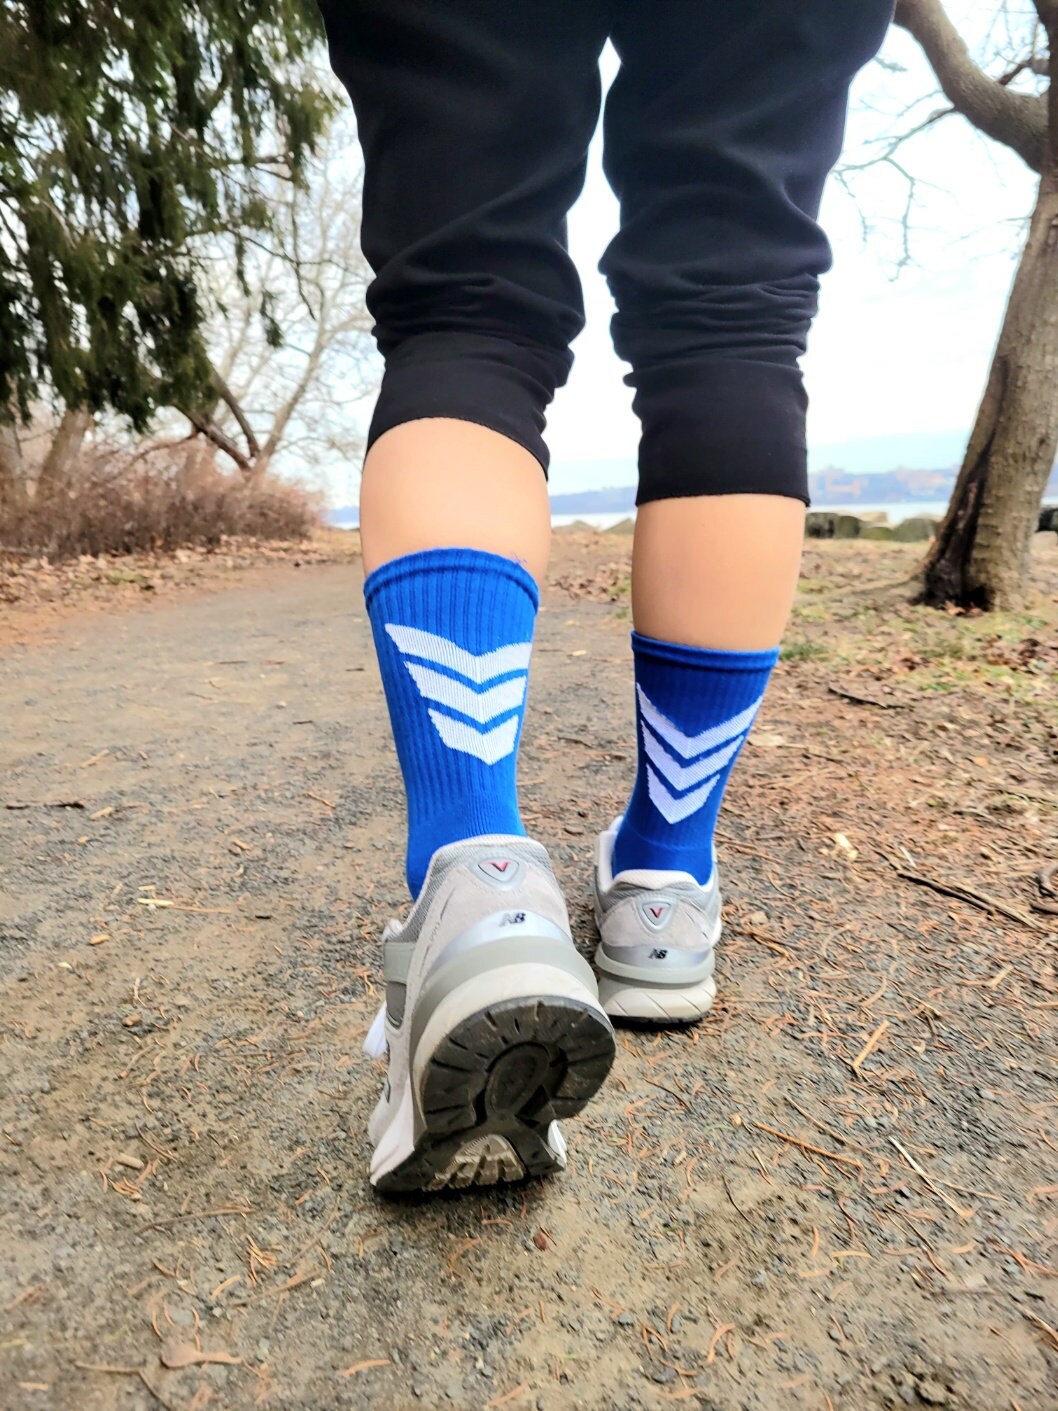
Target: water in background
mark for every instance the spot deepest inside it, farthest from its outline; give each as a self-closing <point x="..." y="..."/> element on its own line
<point x="897" y="511"/>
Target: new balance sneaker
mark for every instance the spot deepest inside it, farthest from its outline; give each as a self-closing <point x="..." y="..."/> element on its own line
<point x="658" y="932"/>
<point x="492" y="1021"/>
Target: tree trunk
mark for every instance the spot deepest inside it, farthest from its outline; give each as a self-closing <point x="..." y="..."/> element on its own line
<point x="980" y="557"/>
<point x="12" y="475"/>
<point x="63" y="451"/>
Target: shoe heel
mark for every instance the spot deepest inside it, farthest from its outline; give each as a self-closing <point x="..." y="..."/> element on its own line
<point x="491" y="1076"/>
<point x="516" y="1064"/>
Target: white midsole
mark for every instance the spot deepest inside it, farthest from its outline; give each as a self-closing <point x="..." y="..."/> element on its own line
<point x="623" y="1000"/>
<point x="396" y="1138"/>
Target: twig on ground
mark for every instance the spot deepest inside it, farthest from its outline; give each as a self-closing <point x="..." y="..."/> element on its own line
<point x="1052" y="1333"/>
<point x="295" y="1281"/>
<point x="731" y="1198"/>
<point x="197" y="1215"/>
<point x="869" y="1047"/>
<point x="842" y="1138"/>
<point x="59" y="803"/>
<point x="963" y="1214"/>
<point x="866" y="700"/>
<point x="983" y="900"/>
<point x="670" y="1092"/>
<point x="808" y="1146"/>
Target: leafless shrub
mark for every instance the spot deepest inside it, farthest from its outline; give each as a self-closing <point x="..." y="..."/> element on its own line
<point x="115" y="502"/>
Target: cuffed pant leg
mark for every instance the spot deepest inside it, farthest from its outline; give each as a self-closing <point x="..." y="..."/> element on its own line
<point x="720" y="131"/>
<point x="475" y="118"/>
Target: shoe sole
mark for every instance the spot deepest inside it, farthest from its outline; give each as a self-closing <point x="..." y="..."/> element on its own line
<point x="492" y="1091"/>
<point x="653" y="1004"/>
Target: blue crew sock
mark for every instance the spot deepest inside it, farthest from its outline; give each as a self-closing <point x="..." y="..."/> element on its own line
<point x="694" y="708"/>
<point x="453" y="631"/>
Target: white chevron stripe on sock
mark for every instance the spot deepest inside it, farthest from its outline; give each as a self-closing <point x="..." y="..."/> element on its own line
<point x="490" y="746"/>
<point x="690" y="746"/>
<point x="679" y="777"/>
<point x="674" y="810"/>
<point x="481" y="706"/>
<point x="411" y="641"/>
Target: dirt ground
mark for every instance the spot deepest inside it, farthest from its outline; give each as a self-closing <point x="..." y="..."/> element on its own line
<point x="839" y="1193"/>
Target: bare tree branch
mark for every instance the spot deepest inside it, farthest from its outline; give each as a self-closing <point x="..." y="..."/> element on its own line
<point x="229" y="399"/>
<point x="1018" y="120"/>
<point x="312" y="289"/>
<point x="219" y="439"/>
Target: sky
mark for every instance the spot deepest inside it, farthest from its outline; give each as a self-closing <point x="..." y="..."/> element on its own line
<point x="898" y="355"/>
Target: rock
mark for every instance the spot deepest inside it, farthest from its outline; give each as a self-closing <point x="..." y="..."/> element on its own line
<point x="910" y="531"/>
<point x="1048" y="519"/>
<point x="828" y="524"/>
<point x="877" y="531"/>
<point x="663" y="1375"/>
<point x="932" y="1393"/>
<point x="623" y="526"/>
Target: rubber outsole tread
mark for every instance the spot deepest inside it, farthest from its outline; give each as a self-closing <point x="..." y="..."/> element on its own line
<point x="534" y="1061"/>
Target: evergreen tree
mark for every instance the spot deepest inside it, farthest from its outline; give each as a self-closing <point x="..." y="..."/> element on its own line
<point x="137" y="143"/>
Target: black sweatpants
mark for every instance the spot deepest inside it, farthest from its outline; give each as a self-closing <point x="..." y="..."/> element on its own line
<point x="720" y="129"/>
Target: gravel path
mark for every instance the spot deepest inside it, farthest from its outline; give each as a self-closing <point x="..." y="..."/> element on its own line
<point x="838" y="1193"/>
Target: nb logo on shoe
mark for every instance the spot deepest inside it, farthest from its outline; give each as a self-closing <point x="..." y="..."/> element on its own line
<point x="658" y="954"/>
<point x="513" y="918"/>
<point x="683" y="770"/>
<point x="477" y="698"/>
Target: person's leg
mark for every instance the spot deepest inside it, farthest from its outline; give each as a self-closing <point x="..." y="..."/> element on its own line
<point x="440" y="482"/>
<point x="716" y="571"/>
<point x="475" y="119"/>
<point x="720" y="130"/>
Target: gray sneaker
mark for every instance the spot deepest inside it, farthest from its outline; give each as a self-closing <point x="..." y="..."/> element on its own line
<point x="492" y="1021"/>
<point x="659" y="930"/>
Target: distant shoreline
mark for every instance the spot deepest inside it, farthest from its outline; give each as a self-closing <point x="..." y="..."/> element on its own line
<point x="606" y="519"/>
<point x="901" y="494"/>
